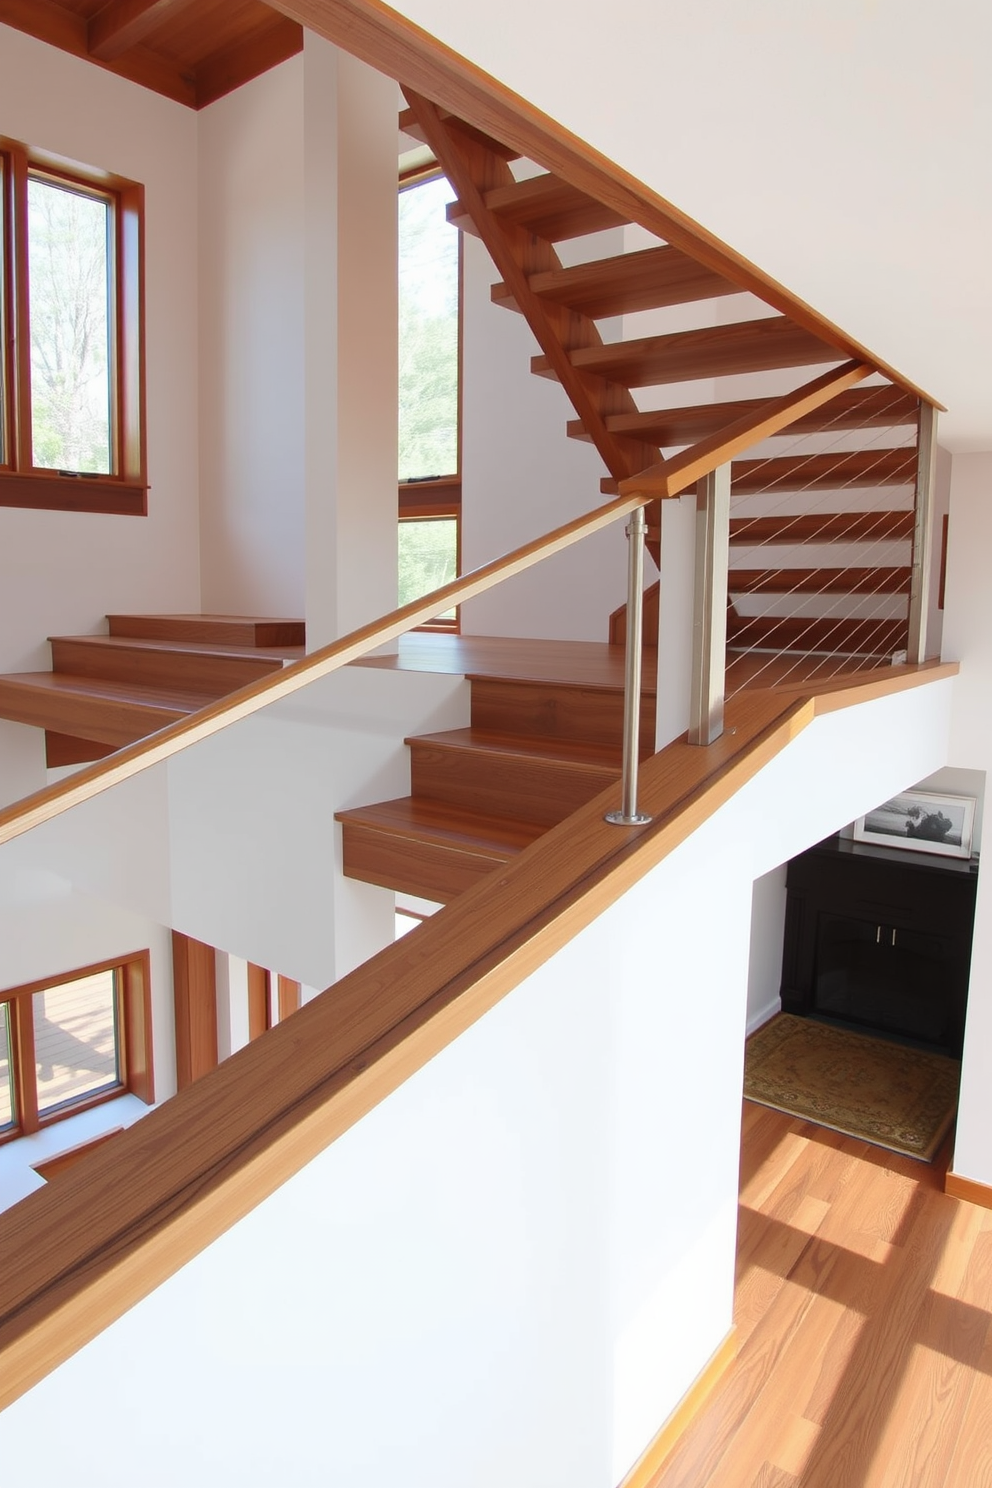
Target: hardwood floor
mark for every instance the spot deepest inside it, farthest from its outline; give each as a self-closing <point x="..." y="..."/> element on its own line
<point x="864" y="1316"/>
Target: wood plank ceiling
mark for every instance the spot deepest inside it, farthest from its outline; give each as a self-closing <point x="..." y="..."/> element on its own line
<point x="194" y="51"/>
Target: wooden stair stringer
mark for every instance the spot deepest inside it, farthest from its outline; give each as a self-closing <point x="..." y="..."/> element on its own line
<point x="475" y="173"/>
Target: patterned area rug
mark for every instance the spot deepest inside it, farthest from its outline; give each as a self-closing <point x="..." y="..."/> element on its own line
<point x="885" y="1093"/>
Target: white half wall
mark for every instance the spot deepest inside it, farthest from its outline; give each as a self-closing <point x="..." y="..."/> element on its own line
<point x="234" y="842"/>
<point x="512" y="1270"/>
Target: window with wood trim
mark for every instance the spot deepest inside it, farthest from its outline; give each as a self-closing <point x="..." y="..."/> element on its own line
<point x="74" y="1041"/>
<point x="430" y="298"/>
<point x="71" y="373"/>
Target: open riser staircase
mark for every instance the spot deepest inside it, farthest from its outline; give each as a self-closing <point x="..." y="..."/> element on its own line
<point x="822" y="514"/>
<point x="535" y="752"/>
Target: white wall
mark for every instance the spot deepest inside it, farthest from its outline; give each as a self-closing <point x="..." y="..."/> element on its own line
<point x="764" y="976"/>
<point x="61" y="572"/>
<point x="514" y="1267"/>
<point x="252" y="208"/>
<point x="298" y="344"/>
<point x="968" y="637"/>
<point x="522" y="475"/>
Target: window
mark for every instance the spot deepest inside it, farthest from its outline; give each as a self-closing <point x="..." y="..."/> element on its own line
<point x="430" y="393"/>
<point x="72" y="1042"/>
<point x="71" y="377"/>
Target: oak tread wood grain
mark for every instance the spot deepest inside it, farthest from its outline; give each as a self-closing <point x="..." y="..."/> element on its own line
<point x="861" y="407"/>
<point x="715" y="351"/>
<point x="232" y="630"/>
<point x="870" y="526"/>
<point x="197" y="666"/>
<point x="819" y="580"/>
<point x="647" y="279"/>
<point x="825" y="472"/>
<point x="546" y="206"/>
<point x="878" y="637"/>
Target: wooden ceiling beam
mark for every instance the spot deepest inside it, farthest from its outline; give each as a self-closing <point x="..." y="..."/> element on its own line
<point x="235" y="65"/>
<point x="123" y="24"/>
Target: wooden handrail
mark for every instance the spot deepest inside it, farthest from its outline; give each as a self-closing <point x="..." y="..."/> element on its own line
<point x="392" y="44"/>
<point x="30" y="812"/>
<point x="77" y="1255"/>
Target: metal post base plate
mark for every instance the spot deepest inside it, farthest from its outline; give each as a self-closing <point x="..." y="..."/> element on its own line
<point x="617" y="819"/>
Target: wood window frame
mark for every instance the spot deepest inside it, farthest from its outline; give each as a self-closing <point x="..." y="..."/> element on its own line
<point x="134" y="1044"/>
<point x="123" y="492"/>
<point x="438" y="498"/>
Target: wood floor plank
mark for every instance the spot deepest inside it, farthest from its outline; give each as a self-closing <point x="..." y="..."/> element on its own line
<point x="864" y="1309"/>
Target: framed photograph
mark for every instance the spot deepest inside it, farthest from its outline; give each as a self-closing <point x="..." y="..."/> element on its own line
<point x="921" y="822"/>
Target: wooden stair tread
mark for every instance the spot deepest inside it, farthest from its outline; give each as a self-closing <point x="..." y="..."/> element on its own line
<point x="566" y="753"/>
<point x="883" y="580"/>
<point x="849" y="635"/>
<point x="236" y="630"/>
<point x="649" y="684"/>
<point x="431" y="821"/>
<point x="92" y="708"/>
<point x="859" y="407"/>
<point x="237" y="651"/>
<point x="546" y="206"/>
<point x="825" y="472"/>
<point x="867" y="526"/>
<point x="104" y="689"/>
<point x="714" y="351"/>
<point x="647" y="279"/>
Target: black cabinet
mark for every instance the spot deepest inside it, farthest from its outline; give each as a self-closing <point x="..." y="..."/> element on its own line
<point x="880" y="939"/>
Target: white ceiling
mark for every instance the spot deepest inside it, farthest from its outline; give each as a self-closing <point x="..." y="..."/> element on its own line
<point x="843" y="145"/>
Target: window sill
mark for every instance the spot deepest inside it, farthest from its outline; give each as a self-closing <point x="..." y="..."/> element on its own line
<point x="18" y="1157"/>
<point x="78" y="493"/>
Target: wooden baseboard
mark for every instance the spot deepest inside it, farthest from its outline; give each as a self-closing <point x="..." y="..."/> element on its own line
<point x="967" y="1188"/>
<point x="647" y="1466"/>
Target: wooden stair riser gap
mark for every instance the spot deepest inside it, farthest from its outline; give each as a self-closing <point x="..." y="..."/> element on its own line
<point x="827" y="472"/>
<point x="557" y="711"/>
<point x="223" y="630"/>
<point x="645" y="280"/>
<point x="430" y="870"/>
<point x="529" y="788"/>
<point x="819" y="581"/>
<point x="684" y="356"/>
<point x="213" y="676"/>
<point x="858" y="408"/>
<point x="518" y="254"/>
<point x="870" y="526"/>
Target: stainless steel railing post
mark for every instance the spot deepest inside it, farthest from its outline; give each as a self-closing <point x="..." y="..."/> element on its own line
<point x="628" y="815"/>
